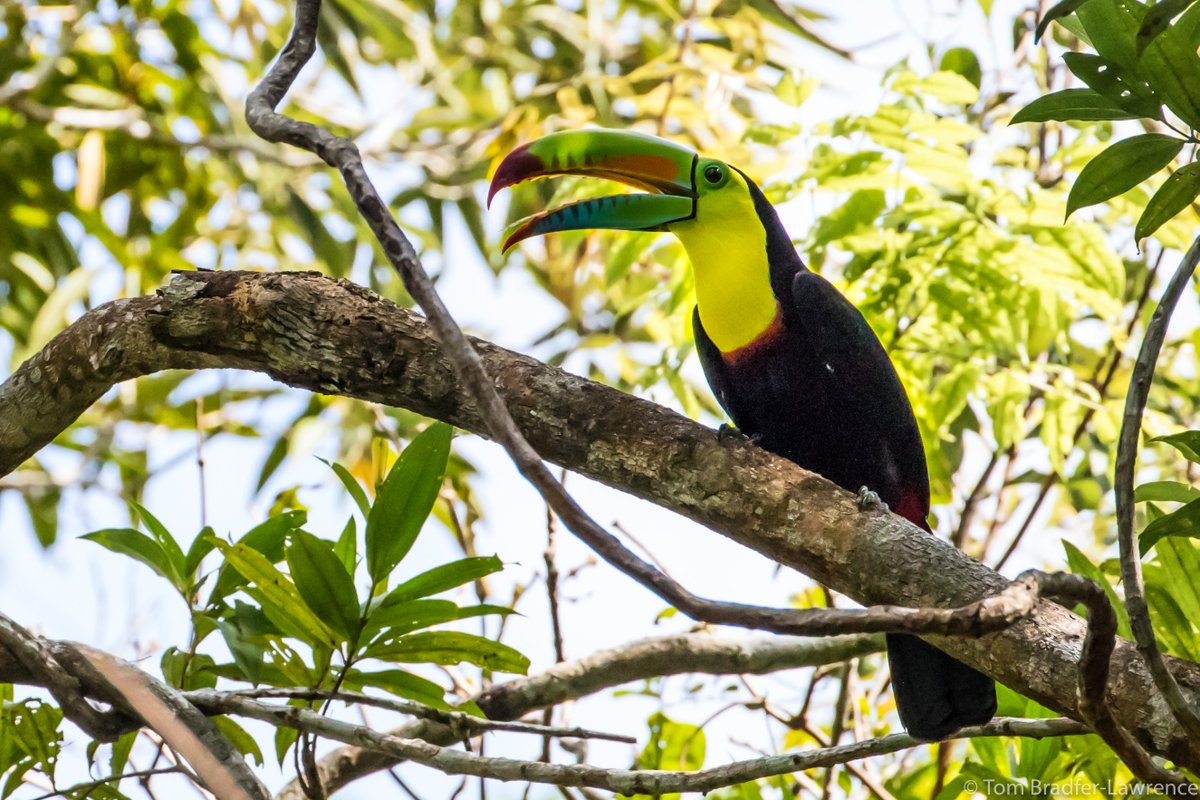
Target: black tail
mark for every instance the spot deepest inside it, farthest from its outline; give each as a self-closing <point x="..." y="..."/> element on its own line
<point x="935" y="694"/>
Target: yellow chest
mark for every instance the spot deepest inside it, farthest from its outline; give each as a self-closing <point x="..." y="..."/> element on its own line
<point x="733" y="280"/>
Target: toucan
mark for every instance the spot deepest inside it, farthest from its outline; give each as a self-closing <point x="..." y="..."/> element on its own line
<point x="789" y="358"/>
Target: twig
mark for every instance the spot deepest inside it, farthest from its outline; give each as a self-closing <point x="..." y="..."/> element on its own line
<point x="1131" y="428"/>
<point x="85" y="789"/>
<point x="617" y="780"/>
<point x="463" y="725"/>
<point x="342" y="154"/>
<point x="1093" y="676"/>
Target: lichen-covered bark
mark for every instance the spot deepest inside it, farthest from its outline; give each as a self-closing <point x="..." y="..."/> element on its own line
<point x="338" y="338"/>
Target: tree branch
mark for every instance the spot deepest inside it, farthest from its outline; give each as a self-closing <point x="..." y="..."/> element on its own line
<point x="335" y="337"/>
<point x="1127" y="447"/>
<point x="623" y="781"/>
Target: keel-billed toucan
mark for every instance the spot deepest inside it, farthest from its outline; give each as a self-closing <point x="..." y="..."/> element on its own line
<point x="790" y="359"/>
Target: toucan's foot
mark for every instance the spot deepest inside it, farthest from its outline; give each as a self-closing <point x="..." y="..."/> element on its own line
<point x="868" y="500"/>
<point x="728" y="432"/>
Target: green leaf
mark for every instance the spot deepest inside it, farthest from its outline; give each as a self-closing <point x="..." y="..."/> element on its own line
<point x="1170" y="64"/>
<point x="405" y="500"/>
<point x="352" y="486"/>
<point x="1121" y="167"/>
<point x="1118" y="84"/>
<point x="1177" y="193"/>
<point x="281" y="599"/>
<point x="964" y="62"/>
<point x="1157" y="19"/>
<point x="201" y="546"/>
<point x="267" y="538"/>
<point x="1187" y="443"/>
<point x="1183" y="521"/>
<point x="1071" y="104"/>
<point x="239" y="738"/>
<point x="136" y="545"/>
<point x="440" y="579"/>
<point x="323" y="582"/>
<point x="1056" y="12"/>
<point x="284" y="739"/>
<point x="1112" y="27"/>
<point x="346" y="548"/>
<point x="1165" y="492"/>
<point x="1181" y="565"/>
<point x="403" y="618"/>
<point x="452" y="647"/>
<point x="400" y="683"/>
<point x="170" y="547"/>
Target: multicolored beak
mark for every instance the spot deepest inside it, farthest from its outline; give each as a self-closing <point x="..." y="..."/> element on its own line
<point x="656" y="165"/>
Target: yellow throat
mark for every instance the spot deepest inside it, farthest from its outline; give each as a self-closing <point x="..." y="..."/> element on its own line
<point x="727" y="245"/>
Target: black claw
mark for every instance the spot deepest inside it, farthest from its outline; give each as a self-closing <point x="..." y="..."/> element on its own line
<point x="868" y="500"/>
<point x="728" y="432"/>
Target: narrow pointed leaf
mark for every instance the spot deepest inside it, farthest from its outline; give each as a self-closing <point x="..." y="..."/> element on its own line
<point x="452" y="647"/>
<point x="405" y="500"/>
<point x="136" y="545"/>
<point x="1071" y="104"/>
<point x="1176" y="194"/>
<point x="352" y="486"/>
<point x="323" y="582"/>
<point x="1056" y="11"/>
<point x="447" y="576"/>
<point x="1121" y="167"/>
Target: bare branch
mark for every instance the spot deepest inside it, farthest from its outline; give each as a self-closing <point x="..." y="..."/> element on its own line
<point x="464" y="725"/>
<point x="624" y="781"/>
<point x="1127" y="446"/>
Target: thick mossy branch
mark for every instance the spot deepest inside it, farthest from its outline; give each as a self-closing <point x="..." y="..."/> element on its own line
<point x="337" y="338"/>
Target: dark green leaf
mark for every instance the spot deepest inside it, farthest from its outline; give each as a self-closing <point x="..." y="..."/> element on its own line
<point x="323" y="582"/>
<point x="352" y="486"/>
<point x="1121" y="167"/>
<point x="1165" y="492"/>
<point x="447" y="576"/>
<point x="238" y="737"/>
<point x="1177" y="193"/>
<point x="201" y="546"/>
<point x="247" y="654"/>
<point x="274" y="458"/>
<point x="1072" y="104"/>
<point x="397" y="620"/>
<point x="1118" y="84"/>
<point x="346" y="548"/>
<point x="1183" y="521"/>
<point x="1170" y="64"/>
<point x="284" y="739"/>
<point x="1187" y="443"/>
<point x="452" y="647"/>
<point x="1157" y="19"/>
<point x="136" y="545"/>
<point x="1056" y="11"/>
<point x="42" y="505"/>
<point x="400" y="683"/>
<point x="1112" y="27"/>
<point x="280" y="599"/>
<point x="166" y="541"/>
<point x="405" y="500"/>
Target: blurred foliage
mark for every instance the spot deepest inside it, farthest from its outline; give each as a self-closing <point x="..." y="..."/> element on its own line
<point x="123" y="155"/>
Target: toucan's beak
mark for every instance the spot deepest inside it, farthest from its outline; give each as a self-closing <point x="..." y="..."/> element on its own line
<point x="645" y="162"/>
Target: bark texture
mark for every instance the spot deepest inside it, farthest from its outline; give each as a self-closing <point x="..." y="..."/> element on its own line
<point x="337" y="338"/>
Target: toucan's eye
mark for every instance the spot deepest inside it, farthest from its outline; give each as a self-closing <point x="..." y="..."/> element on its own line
<point x="713" y="173"/>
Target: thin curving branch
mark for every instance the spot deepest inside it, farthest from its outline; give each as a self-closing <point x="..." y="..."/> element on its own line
<point x="1127" y="446"/>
